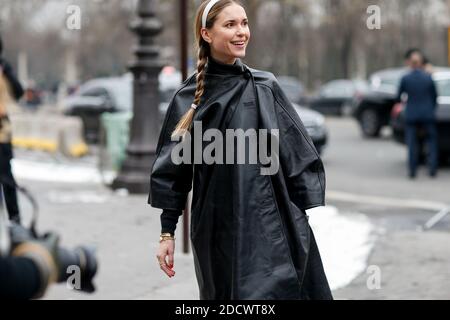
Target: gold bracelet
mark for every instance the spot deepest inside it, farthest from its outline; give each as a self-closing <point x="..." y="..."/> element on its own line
<point x="166" y="236"/>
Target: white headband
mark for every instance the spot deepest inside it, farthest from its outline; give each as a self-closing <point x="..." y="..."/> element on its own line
<point x="206" y="11"/>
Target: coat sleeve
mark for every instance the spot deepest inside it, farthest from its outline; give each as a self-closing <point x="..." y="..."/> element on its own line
<point x="299" y="160"/>
<point x="170" y="183"/>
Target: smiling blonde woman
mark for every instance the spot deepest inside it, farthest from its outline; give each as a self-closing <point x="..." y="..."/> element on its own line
<point x="250" y="233"/>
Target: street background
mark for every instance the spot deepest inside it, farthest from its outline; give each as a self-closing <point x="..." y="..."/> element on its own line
<point x="371" y="232"/>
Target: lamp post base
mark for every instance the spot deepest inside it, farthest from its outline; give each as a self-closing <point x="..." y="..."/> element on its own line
<point x="135" y="174"/>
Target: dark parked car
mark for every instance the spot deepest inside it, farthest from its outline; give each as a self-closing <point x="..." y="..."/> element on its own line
<point x="373" y="109"/>
<point x="336" y="97"/>
<point x="442" y="80"/>
<point x="95" y="97"/>
<point x="293" y="88"/>
<point x="114" y="94"/>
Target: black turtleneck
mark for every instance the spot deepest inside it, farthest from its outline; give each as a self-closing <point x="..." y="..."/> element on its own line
<point x="216" y="67"/>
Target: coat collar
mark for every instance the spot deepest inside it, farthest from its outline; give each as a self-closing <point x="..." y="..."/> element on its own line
<point x="217" y="67"/>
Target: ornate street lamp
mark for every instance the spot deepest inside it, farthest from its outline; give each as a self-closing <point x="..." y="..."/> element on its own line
<point x="145" y="124"/>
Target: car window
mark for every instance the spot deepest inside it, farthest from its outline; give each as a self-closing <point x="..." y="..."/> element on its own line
<point x="394" y="81"/>
<point x="338" y="89"/>
<point x="386" y="82"/>
<point x="361" y="86"/>
<point x="96" y="92"/>
<point x="443" y="87"/>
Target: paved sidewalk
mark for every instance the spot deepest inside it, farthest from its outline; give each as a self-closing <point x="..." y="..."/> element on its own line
<point x="412" y="264"/>
<point x="125" y="231"/>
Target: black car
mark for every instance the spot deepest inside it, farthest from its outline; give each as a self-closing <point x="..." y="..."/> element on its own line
<point x="442" y="80"/>
<point x="336" y="97"/>
<point x="373" y="109"/>
<point x="96" y="97"/>
<point x="113" y="94"/>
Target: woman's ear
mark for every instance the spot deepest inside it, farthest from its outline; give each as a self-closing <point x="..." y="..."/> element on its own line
<point x="206" y="35"/>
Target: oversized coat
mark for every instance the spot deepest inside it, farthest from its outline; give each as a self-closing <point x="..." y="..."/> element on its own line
<point x="250" y="233"/>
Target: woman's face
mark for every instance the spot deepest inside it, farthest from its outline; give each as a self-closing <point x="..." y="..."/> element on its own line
<point x="229" y="36"/>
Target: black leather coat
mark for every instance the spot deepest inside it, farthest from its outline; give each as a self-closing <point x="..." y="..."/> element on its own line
<point x="250" y="234"/>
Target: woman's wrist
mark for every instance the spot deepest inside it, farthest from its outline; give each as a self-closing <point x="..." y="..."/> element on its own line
<point x="166" y="236"/>
<point x="169" y="220"/>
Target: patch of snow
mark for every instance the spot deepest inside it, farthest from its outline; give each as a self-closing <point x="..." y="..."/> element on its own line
<point x="345" y="242"/>
<point x="58" y="172"/>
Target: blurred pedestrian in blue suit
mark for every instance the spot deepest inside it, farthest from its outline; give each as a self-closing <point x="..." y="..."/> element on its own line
<point x="420" y="111"/>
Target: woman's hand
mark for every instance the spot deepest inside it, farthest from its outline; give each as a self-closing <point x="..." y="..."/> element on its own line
<point x="166" y="250"/>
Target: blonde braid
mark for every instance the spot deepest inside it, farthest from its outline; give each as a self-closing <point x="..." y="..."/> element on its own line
<point x="185" y="122"/>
